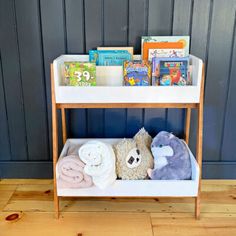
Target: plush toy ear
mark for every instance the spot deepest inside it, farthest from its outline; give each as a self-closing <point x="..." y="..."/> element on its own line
<point x="149" y="172"/>
<point x="171" y="136"/>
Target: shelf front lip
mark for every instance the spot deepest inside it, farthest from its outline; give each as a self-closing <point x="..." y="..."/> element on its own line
<point x="125" y="105"/>
<point x="125" y="196"/>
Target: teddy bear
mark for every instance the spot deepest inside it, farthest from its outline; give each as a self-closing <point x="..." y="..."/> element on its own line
<point x="134" y="157"/>
<point x="171" y="158"/>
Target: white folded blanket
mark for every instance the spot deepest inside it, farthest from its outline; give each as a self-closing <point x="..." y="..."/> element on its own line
<point x="70" y="172"/>
<point x="99" y="159"/>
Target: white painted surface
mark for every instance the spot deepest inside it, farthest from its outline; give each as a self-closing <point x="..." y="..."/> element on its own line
<point x="115" y="93"/>
<point x="137" y="188"/>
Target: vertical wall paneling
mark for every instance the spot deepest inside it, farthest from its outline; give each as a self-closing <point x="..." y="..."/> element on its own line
<point x="115" y="22"/>
<point x="28" y="25"/>
<point x="137" y="28"/>
<point x="219" y="61"/>
<point x="137" y="23"/>
<point x="115" y="34"/>
<point x="94" y="38"/>
<point x="11" y="77"/>
<point x="5" y="152"/>
<point x="159" y="23"/>
<point x="182" y="14"/>
<point x="53" y="44"/>
<point x="199" y="42"/>
<point x="74" y="13"/>
<point x="160" y="17"/>
<point x="74" y="19"/>
<point x="93" y="24"/>
<point x="227" y="154"/>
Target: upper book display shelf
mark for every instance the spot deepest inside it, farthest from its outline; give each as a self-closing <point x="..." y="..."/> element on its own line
<point x="115" y="93"/>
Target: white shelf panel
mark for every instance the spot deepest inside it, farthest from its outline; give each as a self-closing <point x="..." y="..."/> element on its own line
<point x="136" y="188"/>
<point x="123" y="94"/>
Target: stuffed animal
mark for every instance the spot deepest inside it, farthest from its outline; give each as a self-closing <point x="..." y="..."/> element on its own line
<point x="133" y="157"/>
<point x="171" y="158"/>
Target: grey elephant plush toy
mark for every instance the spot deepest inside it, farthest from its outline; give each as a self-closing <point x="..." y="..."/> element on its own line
<point x="171" y="158"/>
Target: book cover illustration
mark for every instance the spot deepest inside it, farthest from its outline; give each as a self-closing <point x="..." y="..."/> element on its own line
<point x="160" y="52"/>
<point x="159" y="45"/>
<point x="137" y="73"/>
<point x="79" y="74"/>
<point x="182" y="39"/>
<point x="108" y="57"/>
<point x="174" y="72"/>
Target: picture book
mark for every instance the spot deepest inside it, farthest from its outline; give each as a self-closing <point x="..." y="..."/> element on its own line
<point x="169" y="52"/>
<point x="108" y="57"/>
<point x="183" y="39"/>
<point x="129" y="49"/>
<point x="113" y="58"/>
<point x="174" y="71"/>
<point x="160" y="45"/>
<point x="79" y="73"/>
<point x="137" y="73"/>
<point x="157" y="69"/>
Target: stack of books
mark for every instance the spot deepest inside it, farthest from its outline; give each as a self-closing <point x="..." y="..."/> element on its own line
<point x="170" y="59"/>
<point x="164" y="62"/>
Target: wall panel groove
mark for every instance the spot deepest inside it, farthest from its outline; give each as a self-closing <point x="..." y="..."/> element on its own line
<point x="5" y="151"/>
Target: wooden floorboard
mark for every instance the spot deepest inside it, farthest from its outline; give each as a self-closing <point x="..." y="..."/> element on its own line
<point x="33" y="201"/>
<point x="74" y="224"/>
<point x="180" y="224"/>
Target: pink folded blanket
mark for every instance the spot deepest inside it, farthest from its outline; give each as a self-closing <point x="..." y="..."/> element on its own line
<point x="70" y="173"/>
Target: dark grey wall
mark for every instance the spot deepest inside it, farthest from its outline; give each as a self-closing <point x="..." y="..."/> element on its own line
<point x="34" y="32"/>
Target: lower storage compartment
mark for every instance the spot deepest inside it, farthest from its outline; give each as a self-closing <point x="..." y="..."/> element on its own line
<point x="135" y="188"/>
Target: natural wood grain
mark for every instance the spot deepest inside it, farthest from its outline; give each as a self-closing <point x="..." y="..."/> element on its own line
<point x="63" y="122"/>
<point x="184" y="224"/>
<point x="54" y="143"/>
<point x="199" y="143"/>
<point x="6" y="191"/>
<point x="187" y="124"/>
<point x="216" y="197"/>
<point x="117" y="216"/>
<point x="25" y="181"/>
<point x="84" y="224"/>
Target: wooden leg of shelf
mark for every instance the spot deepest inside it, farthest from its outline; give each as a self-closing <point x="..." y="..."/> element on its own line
<point x="63" y="119"/>
<point x="56" y="204"/>
<point x="197" y="207"/>
<point x="199" y="144"/>
<point x="187" y="125"/>
<point x="199" y="156"/>
<point x="54" y="144"/>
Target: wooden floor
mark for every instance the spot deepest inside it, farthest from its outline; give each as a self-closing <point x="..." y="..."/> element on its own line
<point x="26" y="208"/>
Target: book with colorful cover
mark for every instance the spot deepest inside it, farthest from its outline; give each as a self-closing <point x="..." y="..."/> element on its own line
<point x="159" y="45"/>
<point x="109" y="57"/>
<point x="183" y="39"/>
<point x="79" y="73"/>
<point x="137" y="73"/>
<point x="174" y="71"/>
<point x="170" y="71"/>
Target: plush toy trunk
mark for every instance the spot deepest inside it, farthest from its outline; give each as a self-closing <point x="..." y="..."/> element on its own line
<point x="136" y="188"/>
<point x="109" y="87"/>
